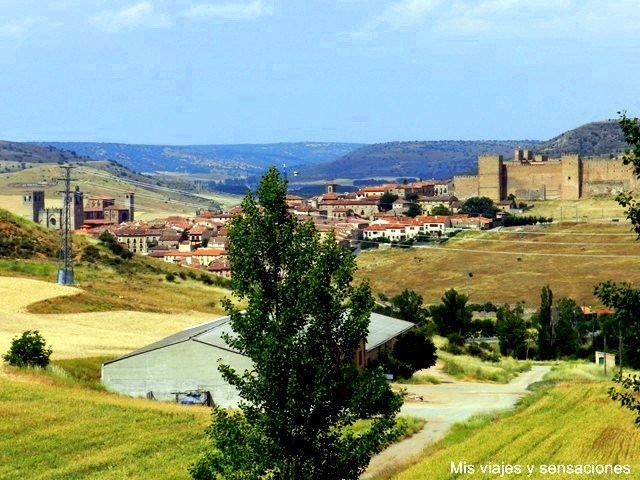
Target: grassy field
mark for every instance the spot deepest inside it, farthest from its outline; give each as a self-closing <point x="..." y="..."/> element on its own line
<point x="466" y="367"/>
<point x="574" y="422"/>
<point x="58" y="424"/>
<point x="50" y="430"/>
<point x="511" y="265"/>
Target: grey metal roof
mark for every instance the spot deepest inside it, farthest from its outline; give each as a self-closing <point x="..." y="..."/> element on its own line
<point x="381" y="330"/>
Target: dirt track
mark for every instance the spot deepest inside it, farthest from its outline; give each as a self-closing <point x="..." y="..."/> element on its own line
<point x="84" y="334"/>
<point x="445" y="404"/>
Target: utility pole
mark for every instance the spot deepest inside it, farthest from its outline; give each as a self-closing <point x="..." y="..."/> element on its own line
<point x="65" y="269"/>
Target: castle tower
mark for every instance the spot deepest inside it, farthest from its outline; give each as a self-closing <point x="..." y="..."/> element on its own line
<point x="491" y="177"/>
<point x="32" y="203"/>
<point x="570" y="186"/>
<point x="330" y="187"/>
<point x="130" y="204"/>
<point x="78" y="209"/>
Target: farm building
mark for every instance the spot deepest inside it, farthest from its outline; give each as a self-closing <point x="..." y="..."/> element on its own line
<point x="188" y="361"/>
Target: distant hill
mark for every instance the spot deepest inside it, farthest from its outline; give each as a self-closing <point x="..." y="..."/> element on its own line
<point x="29" y="153"/>
<point x="595" y="138"/>
<point x="433" y="159"/>
<point x="224" y="160"/>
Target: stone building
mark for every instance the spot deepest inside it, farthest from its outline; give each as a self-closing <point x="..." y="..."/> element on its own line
<point x="97" y="211"/>
<point x="537" y="177"/>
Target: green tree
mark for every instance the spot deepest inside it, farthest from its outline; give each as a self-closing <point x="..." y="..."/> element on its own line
<point x="628" y="397"/>
<point x="440" y="210"/>
<point x="479" y="206"/>
<point x="414" y="210"/>
<point x="28" y="350"/>
<point x="624" y="298"/>
<point x="567" y="334"/>
<point x="452" y="315"/>
<point x="413" y="350"/>
<point x="511" y="329"/>
<point x="303" y="324"/>
<point x="625" y="324"/>
<point x="546" y="325"/>
<point x="631" y="130"/>
<point x="407" y="305"/>
<point x="386" y="201"/>
<point x="411" y="197"/>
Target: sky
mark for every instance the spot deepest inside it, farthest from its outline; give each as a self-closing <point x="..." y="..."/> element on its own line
<point x="264" y="71"/>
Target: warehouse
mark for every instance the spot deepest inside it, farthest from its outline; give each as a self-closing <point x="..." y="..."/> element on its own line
<point x="188" y="361"/>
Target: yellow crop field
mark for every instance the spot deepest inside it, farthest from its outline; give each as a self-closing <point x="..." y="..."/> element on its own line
<point x="574" y="426"/>
<point x="511" y="265"/>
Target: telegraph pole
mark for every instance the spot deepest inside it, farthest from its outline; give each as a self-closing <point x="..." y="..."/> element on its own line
<point x="65" y="269"/>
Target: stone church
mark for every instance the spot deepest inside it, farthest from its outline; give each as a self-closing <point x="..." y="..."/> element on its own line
<point x="99" y="210"/>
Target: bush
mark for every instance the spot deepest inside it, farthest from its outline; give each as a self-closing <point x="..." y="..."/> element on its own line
<point x="28" y="350"/>
<point x="170" y="277"/>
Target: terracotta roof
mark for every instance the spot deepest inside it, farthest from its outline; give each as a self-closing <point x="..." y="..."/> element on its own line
<point x="432" y="218"/>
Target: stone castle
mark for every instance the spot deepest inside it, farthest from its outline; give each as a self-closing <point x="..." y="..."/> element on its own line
<point x="99" y="210"/>
<point x="538" y="177"/>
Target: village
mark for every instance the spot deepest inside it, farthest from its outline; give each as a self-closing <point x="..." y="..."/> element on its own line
<point x="359" y="219"/>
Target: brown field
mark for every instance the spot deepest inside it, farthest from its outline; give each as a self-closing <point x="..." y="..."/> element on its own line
<point x="511" y="267"/>
<point x="84" y="334"/>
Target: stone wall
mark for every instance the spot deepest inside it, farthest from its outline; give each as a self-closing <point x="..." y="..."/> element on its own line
<point x="464" y="186"/>
<point x="533" y="181"/>
<point x="568" y="178"/>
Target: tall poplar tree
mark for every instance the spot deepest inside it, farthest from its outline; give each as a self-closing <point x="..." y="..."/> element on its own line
<point x="303" y="324"/>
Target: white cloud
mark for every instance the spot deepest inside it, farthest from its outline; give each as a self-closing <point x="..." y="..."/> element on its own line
<point x="139" y="15"/>
<point x="229" y="11"/>
<point x="505" y="17"/>
<point x="24" y="25"/>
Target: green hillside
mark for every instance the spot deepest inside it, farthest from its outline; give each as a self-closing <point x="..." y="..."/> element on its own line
<point x="20" y="238"/>
<point x="591" y="139"/>
<point x="433" y="159"/>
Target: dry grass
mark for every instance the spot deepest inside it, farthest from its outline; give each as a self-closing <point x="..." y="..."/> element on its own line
<point x="511" y="267"/>
<point x="578" y="210"/>
<point x="85" y="334"/>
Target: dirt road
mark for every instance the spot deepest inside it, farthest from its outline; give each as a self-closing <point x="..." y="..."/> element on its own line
<point x="445" y="404"/>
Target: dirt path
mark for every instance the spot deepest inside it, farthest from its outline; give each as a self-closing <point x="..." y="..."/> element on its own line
<point x="81" y="334"/>
<point x="445" y="404"/>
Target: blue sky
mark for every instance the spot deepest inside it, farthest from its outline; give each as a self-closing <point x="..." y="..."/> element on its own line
<point x="250" y="71"/>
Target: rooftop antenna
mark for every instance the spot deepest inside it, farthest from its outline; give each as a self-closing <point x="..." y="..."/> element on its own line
<point x="65" y="269"/>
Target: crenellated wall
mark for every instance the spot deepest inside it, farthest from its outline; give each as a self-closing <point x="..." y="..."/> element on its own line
<point x="464" y="186"/>
<point x="533" y="181"/>
<point x="566" y="178"/>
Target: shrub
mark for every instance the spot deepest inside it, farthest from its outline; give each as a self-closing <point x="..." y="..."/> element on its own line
<point x="170" y="277"/>
<point x="30" y="349"/>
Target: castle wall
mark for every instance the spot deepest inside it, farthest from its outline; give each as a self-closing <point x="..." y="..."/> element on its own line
<point x="533" y="181"/>
<point x="490" y="177"/>
<point x="571" y="183"/>
<point x="464" y="186"/>
<point x="604" y="177"/>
